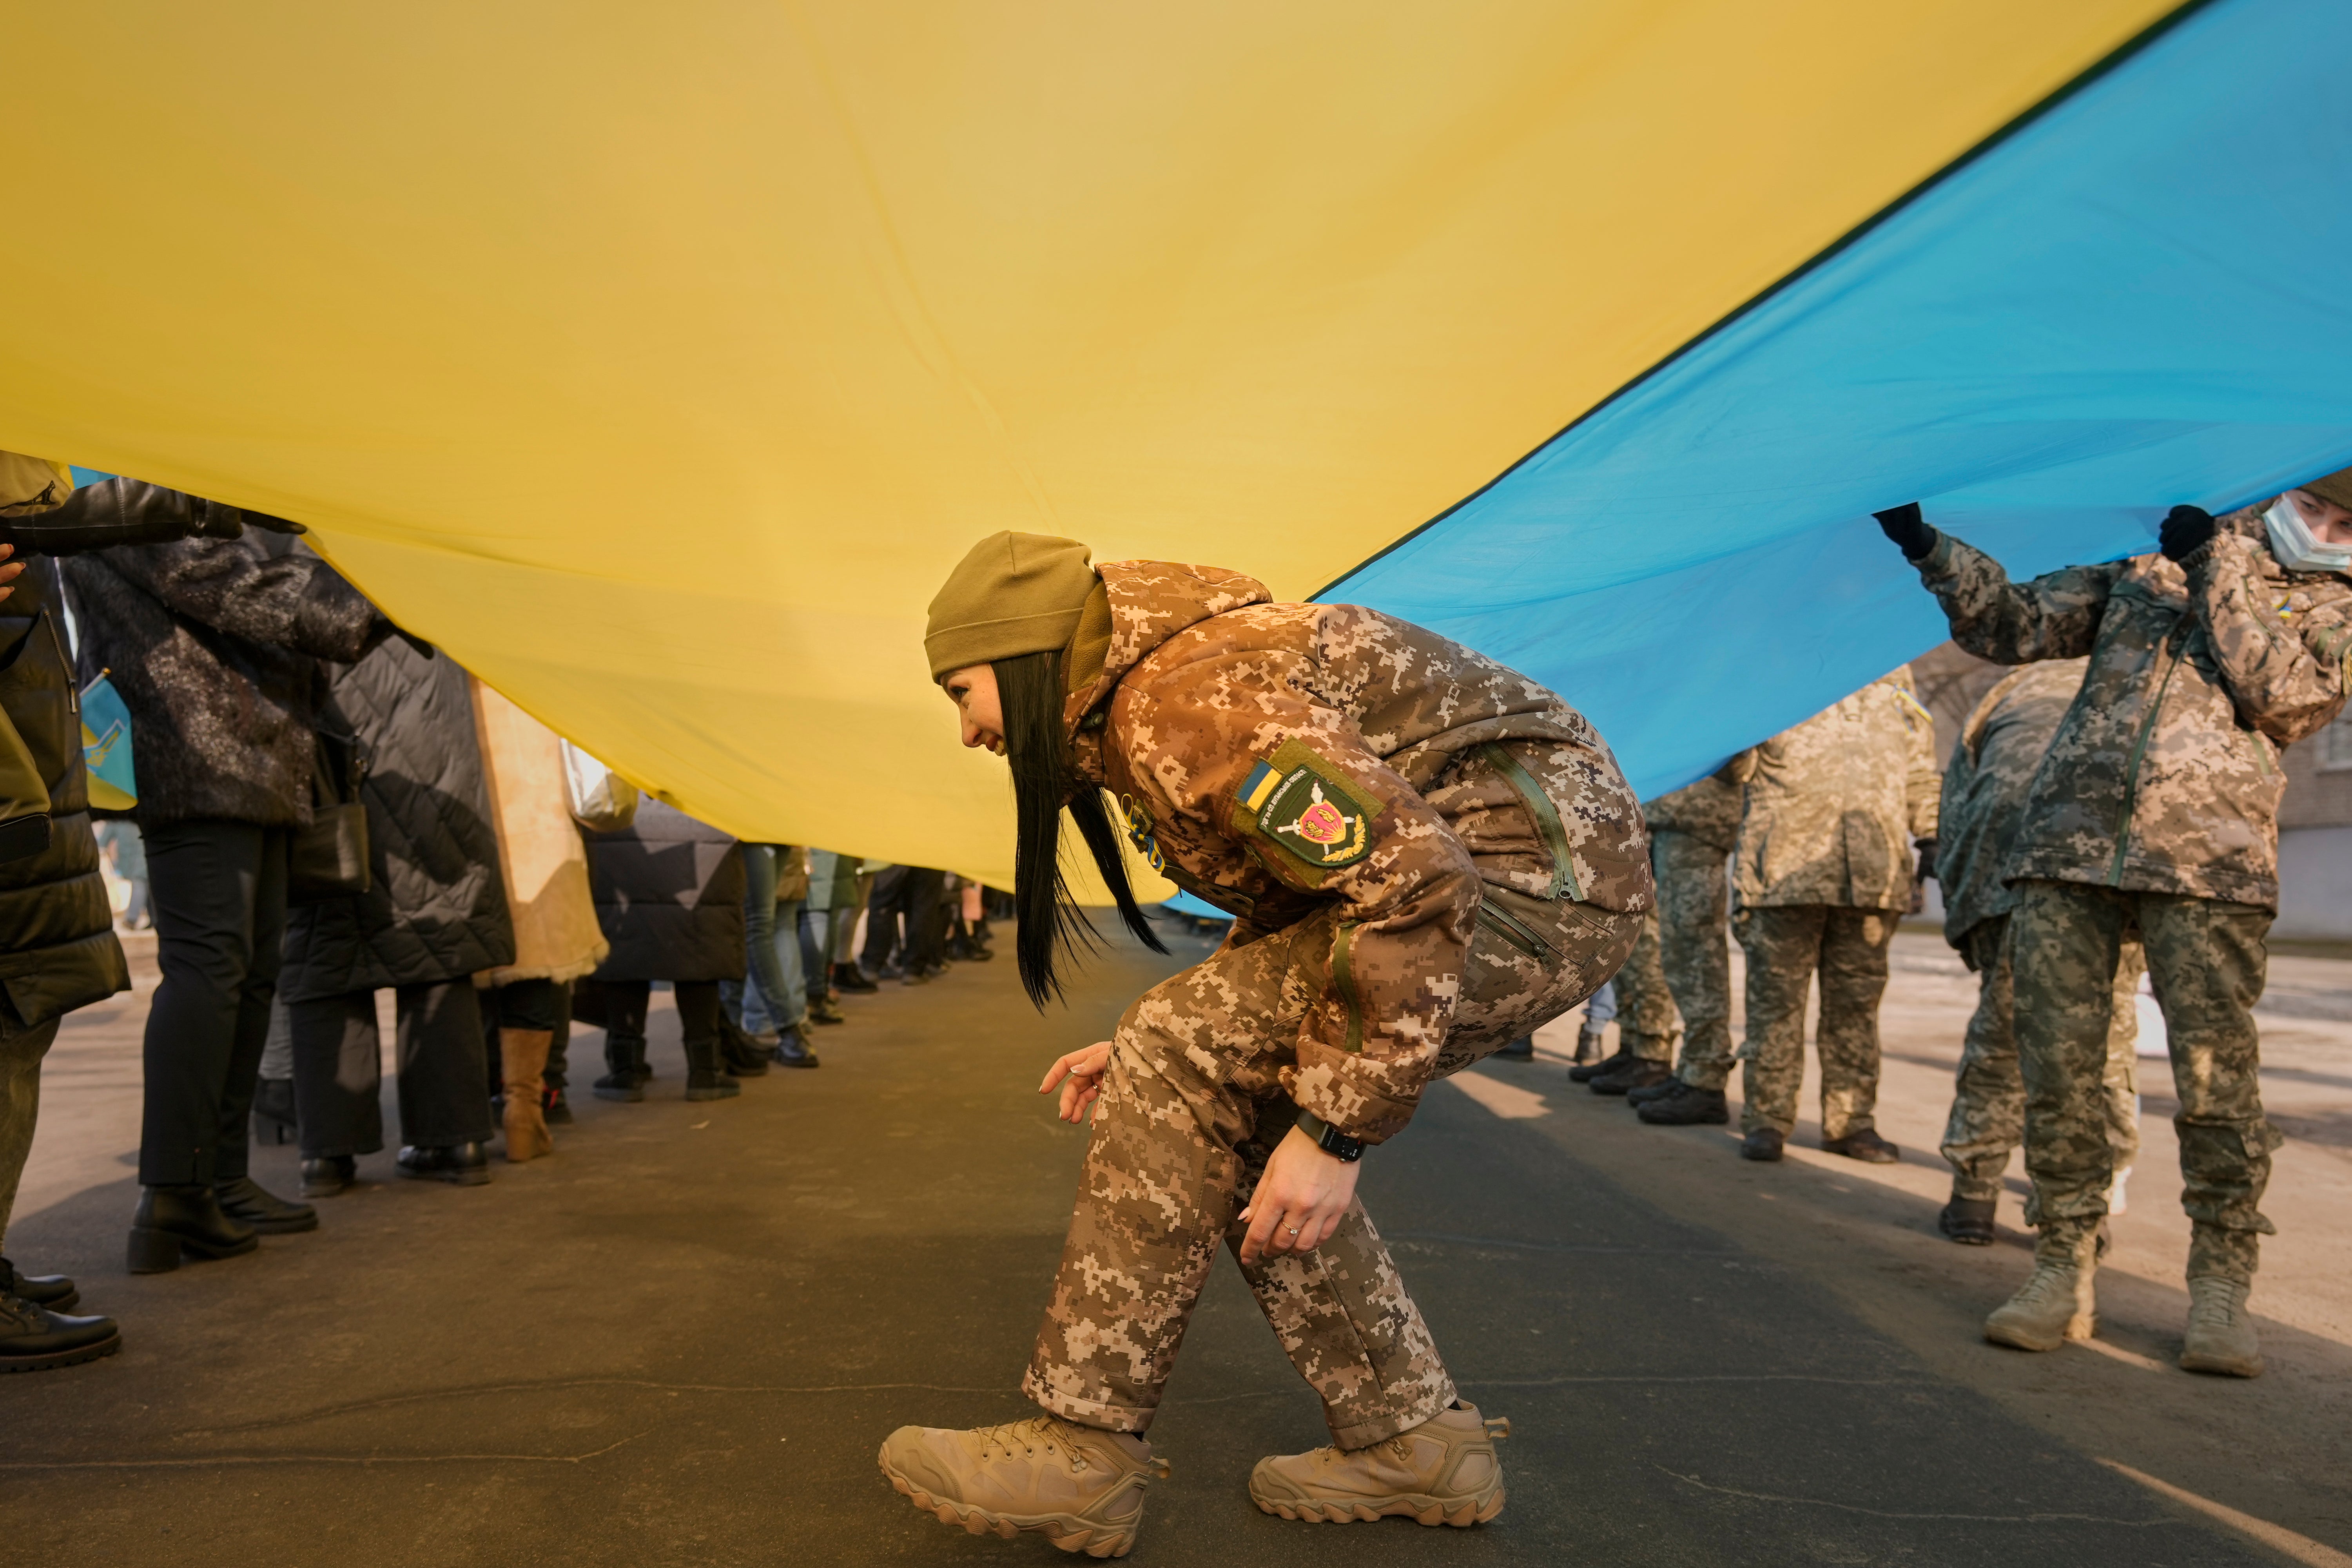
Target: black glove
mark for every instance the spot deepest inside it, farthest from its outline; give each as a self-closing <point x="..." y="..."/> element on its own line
<point x="383" y="629"/>
<point x="1908" y="530"/>
<point x="1926" y="860"/>
<point x="2186" y="530"/>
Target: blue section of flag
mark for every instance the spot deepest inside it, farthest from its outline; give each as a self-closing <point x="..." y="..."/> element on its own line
<point x="106" y="737"/>
<point x="83" y="476"/>
<point x="2137" y="299"/>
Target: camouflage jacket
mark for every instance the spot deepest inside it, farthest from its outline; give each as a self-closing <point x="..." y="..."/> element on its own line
<point x="2164" y="776"/>
<point x="1282" y="758"/>
<point x="1985" y="786"/>
<point x="1708" y="811"/>
<point x="1831" y="807"/>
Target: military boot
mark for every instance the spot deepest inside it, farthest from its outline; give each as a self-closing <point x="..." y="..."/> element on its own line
<point x="1634" y="1072"/>
<point x="1684" y="1105"/>
<point x="1442" y="1471"/>
<point x="1585" y="1068"/>
<point x="1081" y="1487"/>
<point x="2057" y="1303"/>
<point x="1968" y="1221"/>
<point x="2220" y="1330"/>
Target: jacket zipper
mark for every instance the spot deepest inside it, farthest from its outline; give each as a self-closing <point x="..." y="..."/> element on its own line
<point x="1343" y="971"/>
<point x="1516" y="931"/>
<point x="2139" y="750"/>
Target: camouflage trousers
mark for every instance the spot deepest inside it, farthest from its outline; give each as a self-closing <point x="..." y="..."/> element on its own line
<point x="1191" y="1111"/>
<point x="1694" y="948"/>
<point x="1988" y="1120"/>
<point x="2206" y="961"/>
<point x="1645" y="1008"/>
<point x="1786" y="944"/>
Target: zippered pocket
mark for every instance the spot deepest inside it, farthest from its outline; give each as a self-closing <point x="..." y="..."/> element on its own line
<point x="1516" y="931"/>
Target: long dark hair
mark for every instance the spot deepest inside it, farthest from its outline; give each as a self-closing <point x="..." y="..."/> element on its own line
<point x="1045" y="783"/>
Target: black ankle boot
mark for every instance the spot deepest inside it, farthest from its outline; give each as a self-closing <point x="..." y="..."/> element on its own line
<point x="626" y="1056"/>
<point x="35" y="1339"/>
<point x="739" y="1056"/>
<point x="329" y="1175"/>
<point x="266" y="1211"/>
<point x="460" y="1164"/>
<point x="849" y="977"/>
<point x="705" y="1073"/>
<point x="792" y="1051"/>
<point x="273" y="1110"/>
<point x="172" y="1220"/>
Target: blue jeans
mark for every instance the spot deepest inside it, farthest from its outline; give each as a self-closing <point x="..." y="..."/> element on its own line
<point x="774" y="993"/>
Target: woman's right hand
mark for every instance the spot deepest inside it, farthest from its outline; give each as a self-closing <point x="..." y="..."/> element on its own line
<point x="1083" y="1071"/>
<point x="8" y="573"/>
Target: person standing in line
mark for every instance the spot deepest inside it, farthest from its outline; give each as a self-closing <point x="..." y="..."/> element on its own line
<point x="887" y="947"/>
<point x="433" y="917"/>
<point x="1829" y="814"/>
<point x="1427" y="855"/>
<point x="1985" y="787"/>
<point x="543" y="867"/>
<point x="1692" y="832"/>
<point x="669" y="897"/>
<point x="816" y="939"/>
<point x="1646" y="1029"/>
<point x="215" y="647"/>
<point x="852" y="883"/>
<point x="2156" y="812"/>
<point x="771" y="999"/>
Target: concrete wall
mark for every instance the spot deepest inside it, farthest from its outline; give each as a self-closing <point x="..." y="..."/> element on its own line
<point x="2315" y="883"/>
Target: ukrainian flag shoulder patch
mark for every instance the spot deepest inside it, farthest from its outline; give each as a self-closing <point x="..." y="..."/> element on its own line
<point x="1308" y="806"/>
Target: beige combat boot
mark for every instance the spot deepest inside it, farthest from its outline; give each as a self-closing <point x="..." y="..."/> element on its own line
<point x="2220" y="1330"/>
<point x="1082" y="1487"/>
<point x="2058" y="1303"/>
<point x="1442" y="1471"/>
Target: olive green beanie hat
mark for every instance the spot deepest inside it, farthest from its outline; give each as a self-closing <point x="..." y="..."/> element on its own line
<point x="2335" y="488"/>
<point x="1014" y="594"/>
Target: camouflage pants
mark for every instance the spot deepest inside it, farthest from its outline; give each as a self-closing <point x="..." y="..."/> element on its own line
<point x="1694" y="907"/>
<point x="2206" y="961"/>
<point x="1192" y="1109"/>
<point x="1988" y="1120"/>
<point x="1785" y="945"/>
<point x="1645" y="1008"/>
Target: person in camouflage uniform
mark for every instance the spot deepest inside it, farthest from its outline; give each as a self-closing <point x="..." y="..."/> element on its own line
<point x="2001" y="746"/>
<point x="2156" y="813"/>
<point x="1823" y="873"/>
<point x="1692" y="832"/>
<point x="1426" y="855"/>
<point x="1646" y="1029"/>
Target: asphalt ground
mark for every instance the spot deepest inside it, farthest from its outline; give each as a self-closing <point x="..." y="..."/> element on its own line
<point x="681" y="1339"/>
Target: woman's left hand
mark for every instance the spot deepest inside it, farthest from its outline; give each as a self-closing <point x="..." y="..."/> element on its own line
<point x="1299" y="1200"/>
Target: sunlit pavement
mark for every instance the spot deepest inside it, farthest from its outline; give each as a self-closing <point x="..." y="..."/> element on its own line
<point x="681" y="1339"/>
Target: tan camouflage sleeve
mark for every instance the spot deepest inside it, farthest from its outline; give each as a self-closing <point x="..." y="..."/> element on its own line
<point x="1923" y="786"/>
<point x="2056" y="616"/>
<point x="2286" y="676"/>
<point x="1292" y="782"/>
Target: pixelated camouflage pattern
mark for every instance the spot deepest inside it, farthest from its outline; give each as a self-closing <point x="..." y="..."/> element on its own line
<point x="1988" y="1117"/>
<point x="2206" y="961"/>
<point x="1708" y="811"/>
<point x="1831" y="807"/>
<point x="1193" y="1106"/>
<point x="1694" y="948"/>
<point x="1786" y="945"/>
<point x="1646" y="1007"/>
<point x="2164" y="775"/>
<point x="2000" y="749"/>
<point x="1203" y="679"/>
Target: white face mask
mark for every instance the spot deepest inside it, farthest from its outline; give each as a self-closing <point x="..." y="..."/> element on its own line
<point x="2297" y="548"/>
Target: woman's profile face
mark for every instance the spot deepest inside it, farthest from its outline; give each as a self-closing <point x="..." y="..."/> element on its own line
<point x="2328" y="522"/>
<point x="972" y="689"/>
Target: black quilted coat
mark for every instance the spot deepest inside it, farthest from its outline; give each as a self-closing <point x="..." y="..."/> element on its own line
<point x="669" y="894"/>
<point x="437" y="909"/>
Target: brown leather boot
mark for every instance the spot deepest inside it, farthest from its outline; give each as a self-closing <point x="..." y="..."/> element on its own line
<point x="523" y="1054"/>
<point x="1442" y="1471"/>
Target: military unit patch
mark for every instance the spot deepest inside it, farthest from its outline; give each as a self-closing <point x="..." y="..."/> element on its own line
<point x="1308" y="806"/>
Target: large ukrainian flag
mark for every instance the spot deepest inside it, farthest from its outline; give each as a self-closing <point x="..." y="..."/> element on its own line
<point x="657" y="362"/>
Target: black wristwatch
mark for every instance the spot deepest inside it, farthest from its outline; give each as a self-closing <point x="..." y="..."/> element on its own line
<point x="1331" y="1139"/>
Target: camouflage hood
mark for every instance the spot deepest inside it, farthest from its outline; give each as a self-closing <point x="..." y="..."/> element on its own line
<point x="1142" y="605"/>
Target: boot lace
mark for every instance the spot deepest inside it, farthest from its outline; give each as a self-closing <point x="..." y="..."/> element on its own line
<point x="1021" y="1439"/>
<point x="2214" y="1307"/>
<point x="2049" y="1281"/>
